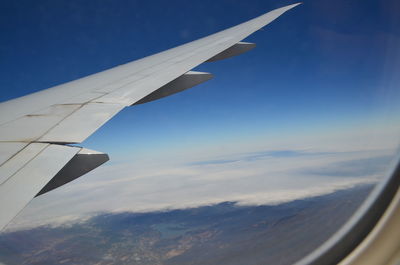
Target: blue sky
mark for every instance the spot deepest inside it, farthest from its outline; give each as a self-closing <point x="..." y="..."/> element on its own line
<point x="323" y="78"/>
<point x="323" y="65"/>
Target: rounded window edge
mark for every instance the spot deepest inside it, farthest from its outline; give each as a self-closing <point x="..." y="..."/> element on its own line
<point x="357" y="228"/>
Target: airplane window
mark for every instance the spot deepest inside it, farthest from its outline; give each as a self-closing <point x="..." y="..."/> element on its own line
<point x="281" y="152"/>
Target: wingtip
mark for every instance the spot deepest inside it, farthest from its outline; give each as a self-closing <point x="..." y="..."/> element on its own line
<point x="293" y="5"/>
<point x="284" y="9"/>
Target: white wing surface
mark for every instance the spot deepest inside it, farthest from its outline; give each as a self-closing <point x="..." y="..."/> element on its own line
<point x="35" y="130"/>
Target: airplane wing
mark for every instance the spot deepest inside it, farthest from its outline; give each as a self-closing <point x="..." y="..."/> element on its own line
<point x="36" y="130"/>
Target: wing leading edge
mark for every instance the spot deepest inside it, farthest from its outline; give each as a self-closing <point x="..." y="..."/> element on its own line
<point x="35" y="130"/>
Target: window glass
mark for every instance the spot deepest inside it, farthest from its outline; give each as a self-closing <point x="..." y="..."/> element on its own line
<point x="260" y="165"/>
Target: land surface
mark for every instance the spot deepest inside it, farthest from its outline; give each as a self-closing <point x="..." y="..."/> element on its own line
<point x="224" y="233"/>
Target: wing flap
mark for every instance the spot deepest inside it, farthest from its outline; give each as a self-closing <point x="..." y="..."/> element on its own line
<point x="8" y="150"/>
<point x="19" y="160"/>
<point x="28" y="180"/>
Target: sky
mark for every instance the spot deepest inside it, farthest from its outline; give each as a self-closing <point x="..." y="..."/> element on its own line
<point x="304" y="113"/>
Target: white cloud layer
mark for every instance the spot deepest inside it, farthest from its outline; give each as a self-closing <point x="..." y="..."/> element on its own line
<point x="267" y="177"/>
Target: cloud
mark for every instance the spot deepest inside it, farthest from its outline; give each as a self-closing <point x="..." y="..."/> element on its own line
<point x="355" y="168"/>
<point x="272" y="177"/>
<point x="213" y="162"/>
<point x="262" y="155"/>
